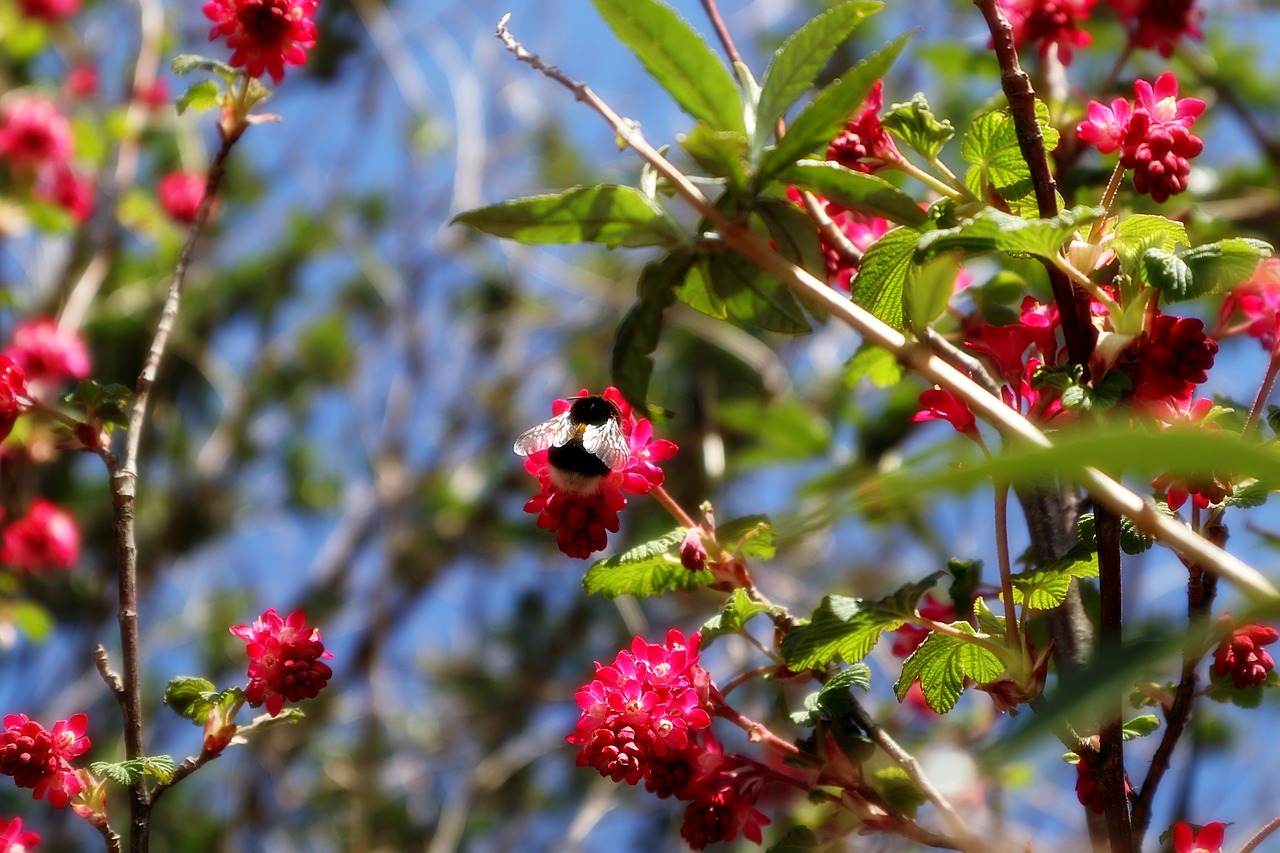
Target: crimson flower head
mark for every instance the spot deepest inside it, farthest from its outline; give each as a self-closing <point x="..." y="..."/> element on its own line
<point x="13" y="393"/>
<point x="1049" y="22"/>
<point x="68" y="189"/>
<point x="265" y="35"/>
<point x="939" y="404"/>
<point x="47" y="353"/>
<point x="49" y="10"/>
<point x="1172" y="359"/>
<point x="33" y="133"/>
<point x="285" y="660"/>
<point x="1204" y="490"/>
<point x="81" y="82"/>
<point x="1159" y="23"/>
<point x="1208" y="840"/>
<point x="1256" y="303"/>
<point x="1241" y="655"/>
<point x="1088" y="792"/>
<point x="909" y="637"/>
<point x="14" y="840"/>
<point x="180" y="194"/>
<point x="864" y="145"/>
<point x="40" y="759"/>
<point x="45" y="538"/>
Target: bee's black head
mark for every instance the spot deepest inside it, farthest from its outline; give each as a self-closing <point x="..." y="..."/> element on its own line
<point x="593" y="411"/>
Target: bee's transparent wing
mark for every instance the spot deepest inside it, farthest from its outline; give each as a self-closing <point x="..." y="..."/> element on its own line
<point x="553" y="433"/>
<point x="608" y="444"/>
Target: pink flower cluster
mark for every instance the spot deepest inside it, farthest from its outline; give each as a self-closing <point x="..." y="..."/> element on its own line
<point x="864" y="145"/>
<point x="1159" y="24"/>
<point x="1241" y="656"/>
<point x="1256" y="304"/>
<point x="45" y="538"/>
<point x="1153" y="135"/>
<point x="13" y="839"/>
<point x="1208" y="840"/>
<point x="285" y="660"/>
<point x="1049" y="24"/>
<point x="48" y="355"/>
<point x="14" y="395"/>
<point x="647" y="716"/>
<point x="582" y="522"/>
<point x="35" y="144"/>
<point x="40" y="759"/>
<point x="180" y="194"/>
<point x="264" y="35"/>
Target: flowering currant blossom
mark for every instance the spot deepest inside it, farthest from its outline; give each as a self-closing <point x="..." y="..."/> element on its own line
<point x="1152" y="135"/>
<point x="45" y="538"/>
<point x="285" y="660"/>
<point x="1241" y="655"/>
<point x="81" y="82"/>
<point x="14" y="840"/>
<point x="939" y="404"/>
<point x="1204" y="489"/>
<point x="180" y="194"/>
<point x="1047" y="23"/>
<point x="47" y="353"/>
<point x="265" y="35"/>
<point x="1208" y="840"/>
<point x="68" y="189"/>
<point x="864" y="145"/>
<point x="1088" y="791"/>
<point x="1257" y="303"/>
<point x="33" y="133"/>
<point x="13" y="394"/>
<point x="41" y="759"/>
<point x="582" y="522"/>
<point x="1159" y="23"/>
<point x="1172" y="358"/>
<point x="49" y="10"/>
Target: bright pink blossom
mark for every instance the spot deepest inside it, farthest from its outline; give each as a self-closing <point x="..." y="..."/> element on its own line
<point x="68" y="189"/>
<point x="265" y="35"/>
<point x="1046" y="23"/>
<point x="180" y="194"/>
<point x="939" y="404"/>
<point x="864" y="145"/>
<point x="81" y="82"/>
<point x="1204" y="490"/>
<point x="33" y="133"/>
<point x="909" y="637"/>
<point x="41" y="759"/>
<point x="47" y="353"/>
<point x="13" y="839"/>
<point x="45" y="538"/>
<point x="14" y="395"/>
<point x="1159" y="23"/>
<point x="285" y="660"/>
<point x="1208" y="840"/>
<point x="49" y="10"/>
<point x="1241" y="655"/>
<point x="156" y="95"/>
<point x="1257" y="303"/>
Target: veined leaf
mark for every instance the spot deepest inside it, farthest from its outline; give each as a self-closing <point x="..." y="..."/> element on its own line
<point x="749" y="536"/>
<point x="882" y="275"/>
<point x="645" y="571"/>
<point x="737" y="611"/>
<point x="698" y="294"/>
<point x="1218" y="267"/>
<point x="993" y="230"/>
<point x="991" y="146"/>
<point x="871" y="362"/>
<point x="1045" y="587"/>
<point x="721" y="153"/>
<point x="864" y="193"/>
<point x="942" y="663"/>
<point x="678" y="58"/>
<point x="611" y="214"/>
<point x="1169" y="274"/>
<point x="916" y="125"/>
<point x="753" y="296"/>
<point x="797" y="63"/>
<point x="1138" y="232"/>
<point x="631" y="363"/>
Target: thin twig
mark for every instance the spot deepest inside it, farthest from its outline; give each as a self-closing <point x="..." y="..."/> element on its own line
<point x="1261" y="835"/>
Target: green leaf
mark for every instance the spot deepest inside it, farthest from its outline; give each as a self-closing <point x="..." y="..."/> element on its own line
<point x="32" y="619"/>
<point x="188" y="696"/>
<point x="1140" y="726"/>
<point x="993" y="230"/>
<point x="898" y="790"/>
<point x="611" y="214"/>
<point x="1249" y="495"/>
<point x="1219" y="267"/>
<point x="698" y="294"/>
<point x="737" y="611"/>
<point x="833" y="701"/>
<point x="882" y="275"/>
<point x="799" y="839"/>
<point x="942" y="663"/>
<point x="721" y="153"/>
<point x="125" y="773"/>
<point x="184" y="63"/>
<point x="928" y="290"/>
<point x="848" y="628"/>
<point x="1132" y="540"/>
<point x="915" y="124"/>
<point x="1137" y="233"/>
<point x="795" y="237"/>
<point x="871" y="362"/>
<point x="1169" y="274"/>
<point x="753" y="296"/>
<point x="830" y="109"/>
<point x="678" y="58"/>
<point x="645" y="571"/>
<point x="864" y="193"/>
<point x="631" y="362"/>
<point x="749" y="536"/>
<point x="108" y="403"/>
<point x="1045" y="587"/>
<point x="991" y="146"/>
<point x="786" y="429"/>
<point x="797" y="63"/>
<point x="200" y="97"/>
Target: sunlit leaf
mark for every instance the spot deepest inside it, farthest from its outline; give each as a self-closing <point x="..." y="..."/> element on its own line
<point x="882" y="275"/>
<point x="611" y="214"/>
<point x="916" y="125"/>
<point x="645" y="571"/>
<point x="943" y="663"/>
<point x="864" y="193"/>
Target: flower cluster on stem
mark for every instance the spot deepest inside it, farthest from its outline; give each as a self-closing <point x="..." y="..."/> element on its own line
<point x="286" y="660"/>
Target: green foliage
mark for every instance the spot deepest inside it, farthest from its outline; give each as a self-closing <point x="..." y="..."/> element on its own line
<point x="898" y="790"/>
<point x="721" y="153"/>
<point x="868" y="194"/>
<point x="106" y="403"/>
<point x="201" y="97"/>
<point x="611" y="214"/>
<point x="848" y="628"/>
<point x="126" y="773"/>
<point x="990" y="145"/>
<point x="783" y="430"/>
<point x="1076" y="394"/>
<point x="1132" y="540"/>
<point x="750" y="536"/>
<point x="878" y="365"/>
<point x="1140" y="726"/>
<point x="928" y="290"/>
<point x="679" y="59"/>
<point x="1045" y="587"/>
<point x="916" y="125"/>
<point x="799" y="839"/>
<point x="750" y="295"/>
<point x="194" y="698"/>
<point x="833" y="701"/>
<point x="631" y="362"/>
<point x="882" y="275"/>
<point x="1139" y="232"/>
<point x="994" y="231"/>
<point x="732" y="619"/>
<point x="645" y="571"/>
<point x="942" y="663"/>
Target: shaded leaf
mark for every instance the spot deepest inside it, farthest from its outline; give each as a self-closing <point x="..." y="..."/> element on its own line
<point x="611" y="214"/>
<point x="749" y="536"/>
<point x="722" y="154"/>
<point x="753" y="296"/>
<point x="858" y="191"/>
<point x="991" y="145"/>
<point x="737" y="611"/>
<point x="993" y="230"/>
<point x="1219" y="267"/>
<point x="200" y="97"/>
<point x="631" y="361"/>
<point x="1138" y="232"/>
<point x="1045" y="587"/>
<point x="876" y="364"/>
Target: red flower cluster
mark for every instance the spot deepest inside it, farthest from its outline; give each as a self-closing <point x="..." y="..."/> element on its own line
<point x="48" y="354"/>
<point x="35" y="142"/>
<point x="46" y="538"/>
<point x="864" y="145"/>
<point x="14" y="840"/>
<point x="1047" y="23"/>
<point x="180" y="194"/>
<point x="1241" y="655"/>
<point x="49" y="10"/>
<point x="1159" y="23"/>
<point x="909" y="637"/>
<point x="1088" y="791"/>
<point x="1208" y="840"/>
<point x="1256" y="303"/>
<point x="41" y="759"/>
<point x="1152" y="135"/>
<point x="13" y="394"/>
<point x="581" y="521"/>
<point x="264" y="35"/>
<point x="646" y="716"/>
<point x="1171" y="360"/>
<point x="285" y="660"/>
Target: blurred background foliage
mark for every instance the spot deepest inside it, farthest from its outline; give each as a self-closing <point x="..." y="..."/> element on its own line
<point x="334" y="420"/>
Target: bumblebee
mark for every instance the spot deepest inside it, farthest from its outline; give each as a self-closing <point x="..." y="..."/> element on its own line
<point x="583" y="443"/>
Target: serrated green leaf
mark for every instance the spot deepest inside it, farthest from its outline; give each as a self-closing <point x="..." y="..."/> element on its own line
<point x="678" y="58"/>
<point x="1045" y="587"/>
<point x="721" y="154"/>
<point x="749" y="536"/>
<point x="802" y="56"/>
<point x="993" y="230"/>
<point x="796" y="239"/>
<point x="988" y="622"/>
<point x="737" y="611"/>
<point x="830" y="109"/>
<point x="645" y="571"/>
<point x="857" y="675"/>
<point x="915" y="124"/>
<point x="160" y="767"/>
<point x="698" y="294"/>
<point x="1140" y="726"/>
<point x="848" y="628"/>
<point x="1137" y="233"/>
<point x="942" y="663"/>
<point x="1249" y="495"/>
<point x="871" y="362"/>
<point x="200" y="97"/>
<point x="1218" y="267"/>
<point x="611" y="214"/>
<point x="753" y="296"/>
<point x="1168" y="274"/>
<point x="185" y="63"/>
<point x="898" y="790"/>
<point x="190" y="697"/>
<point x="991" y="146"/>
<point x="882" y="275"/>
<point x="868" y="194"/>
<point x="631" y="361"/>
<point x="928" y="290"/>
